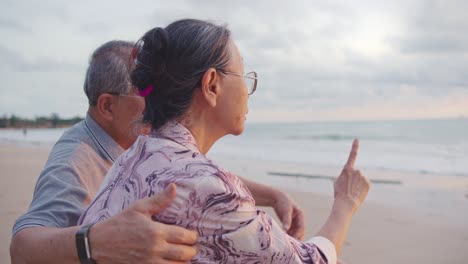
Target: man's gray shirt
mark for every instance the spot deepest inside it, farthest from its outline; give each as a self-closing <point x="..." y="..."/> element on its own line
<point x="76" y="166"/>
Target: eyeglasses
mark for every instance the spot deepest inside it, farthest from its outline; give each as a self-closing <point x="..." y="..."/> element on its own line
<point x="250" y="79"/>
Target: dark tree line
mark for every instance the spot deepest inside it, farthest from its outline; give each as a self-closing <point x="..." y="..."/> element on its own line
<point x="51" y="121"/>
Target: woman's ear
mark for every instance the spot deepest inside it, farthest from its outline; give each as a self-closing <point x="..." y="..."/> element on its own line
<point x="210" y="87"/>
<point x="105" y="106"/>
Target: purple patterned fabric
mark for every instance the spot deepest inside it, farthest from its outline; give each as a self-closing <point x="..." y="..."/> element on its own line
<point x="209" y="200"/>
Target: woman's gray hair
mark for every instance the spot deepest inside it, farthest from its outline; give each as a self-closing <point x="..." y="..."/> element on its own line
<point x="109" y="70"/>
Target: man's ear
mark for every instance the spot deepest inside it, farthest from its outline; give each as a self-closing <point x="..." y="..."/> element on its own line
<point x="210" y="87"/>
<point x="105" y="106"/>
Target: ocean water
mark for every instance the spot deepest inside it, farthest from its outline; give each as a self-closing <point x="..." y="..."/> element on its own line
<point x="37" y="137"/>
<point x="421" y="166"/>
<point x="429" y="158"/>
<point x="421" y="146"/>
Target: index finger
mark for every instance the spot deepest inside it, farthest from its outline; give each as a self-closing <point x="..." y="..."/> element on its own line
<point x="353" y="154"/>
<point x="179" y="235"/>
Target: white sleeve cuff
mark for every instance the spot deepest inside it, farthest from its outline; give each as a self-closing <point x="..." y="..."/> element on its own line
<point x="326" y="246"/>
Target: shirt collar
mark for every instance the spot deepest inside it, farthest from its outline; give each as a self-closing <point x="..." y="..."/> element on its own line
<point x="105" y="142"/>
<point x="178" y="133"/>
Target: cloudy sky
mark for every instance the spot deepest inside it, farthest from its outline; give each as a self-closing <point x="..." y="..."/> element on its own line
<point x="316" y="60"/>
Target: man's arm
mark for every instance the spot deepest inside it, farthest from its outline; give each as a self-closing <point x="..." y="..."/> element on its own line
<point x="286" y="209"/>
<point x="44" y="245"/>
<point x="129" y="237"/>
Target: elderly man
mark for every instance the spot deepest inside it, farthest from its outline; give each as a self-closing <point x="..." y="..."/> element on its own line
<point x="78" y="163"/>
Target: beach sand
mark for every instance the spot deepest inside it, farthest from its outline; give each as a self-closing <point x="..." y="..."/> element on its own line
<point x="379" y="233"/>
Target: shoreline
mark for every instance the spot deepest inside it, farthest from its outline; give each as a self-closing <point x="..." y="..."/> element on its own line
<point x="380" y="232"/>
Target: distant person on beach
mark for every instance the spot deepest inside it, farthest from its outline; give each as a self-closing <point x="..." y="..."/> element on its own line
<point x="196" y="91"/>
<point x="77" y="164"/>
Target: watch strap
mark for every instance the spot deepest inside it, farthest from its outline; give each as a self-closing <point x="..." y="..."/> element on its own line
<point x="83" y="246"/>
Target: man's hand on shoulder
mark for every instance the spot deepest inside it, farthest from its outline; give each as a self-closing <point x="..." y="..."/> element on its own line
<point x="133" y="237"/>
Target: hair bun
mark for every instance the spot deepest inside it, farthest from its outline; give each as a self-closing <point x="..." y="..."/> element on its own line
<point x="154" y="43"/>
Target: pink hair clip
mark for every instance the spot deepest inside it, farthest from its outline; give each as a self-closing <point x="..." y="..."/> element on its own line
<point x="147" y="90"/>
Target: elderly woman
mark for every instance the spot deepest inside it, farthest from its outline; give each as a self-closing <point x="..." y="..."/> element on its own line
<point x="192" y="77"/>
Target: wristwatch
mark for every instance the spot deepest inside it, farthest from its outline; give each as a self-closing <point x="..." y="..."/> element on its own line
<point x="83" y="247"/>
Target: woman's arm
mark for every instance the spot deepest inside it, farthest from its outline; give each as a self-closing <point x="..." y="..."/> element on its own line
<point x="286" y="209"/>
<point x="351" y="189"/>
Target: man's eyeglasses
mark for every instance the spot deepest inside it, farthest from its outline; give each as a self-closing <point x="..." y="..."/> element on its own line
<point x="250" y="79"/>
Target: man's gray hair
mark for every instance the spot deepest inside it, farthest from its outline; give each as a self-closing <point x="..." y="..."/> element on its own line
<point x="109" y="70"/>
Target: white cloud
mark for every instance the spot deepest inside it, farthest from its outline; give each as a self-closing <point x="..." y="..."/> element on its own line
<point x="340" y="59"/>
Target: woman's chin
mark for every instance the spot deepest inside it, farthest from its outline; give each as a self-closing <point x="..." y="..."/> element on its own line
<point x="239" y="130"/>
